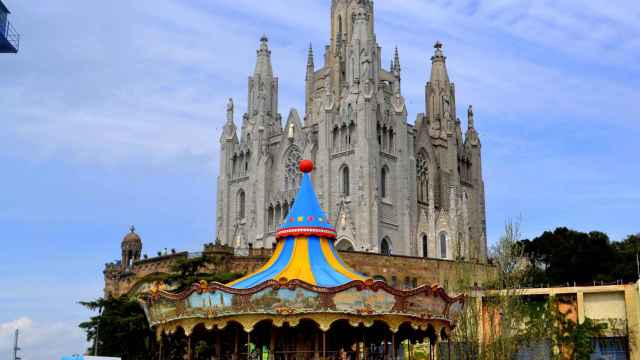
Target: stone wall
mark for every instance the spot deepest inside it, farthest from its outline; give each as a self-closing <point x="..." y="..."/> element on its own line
<point x="398" y="271"/>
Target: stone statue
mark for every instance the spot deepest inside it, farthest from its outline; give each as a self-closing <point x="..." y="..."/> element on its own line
<point x="230" y="110"/>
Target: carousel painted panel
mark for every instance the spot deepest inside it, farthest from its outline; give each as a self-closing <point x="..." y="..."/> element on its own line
<point x="364" y="301"/>
<point x="426" y="303"/>
<point x="285" y="300"/>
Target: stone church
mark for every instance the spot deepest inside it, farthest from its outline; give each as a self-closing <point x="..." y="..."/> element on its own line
<point x="389" y="187"/>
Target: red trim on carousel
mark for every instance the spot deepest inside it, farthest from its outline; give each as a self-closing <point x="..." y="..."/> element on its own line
<point x="306" y="231"/>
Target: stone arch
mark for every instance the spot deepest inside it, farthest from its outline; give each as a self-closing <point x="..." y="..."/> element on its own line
<point x="424" y="240"/>
<point x="345" y="180"/>
<point x="384" y="182"/>
<point x="345" y="244"/>
<point x="241" y="199"/>
<point x="422" y="176"/>
<point x="443" y="239"/>
<point x="385" y="246"/>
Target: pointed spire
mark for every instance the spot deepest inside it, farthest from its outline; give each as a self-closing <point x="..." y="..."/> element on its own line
<point x="263" y="62"/>
<point x="310" y="64"/>
<point x="396" y="62"/>
<point x="306" y="217"/>
<point x="470" y="123"/>
<point x="361" y="26"/>
<point x="438" y="65"/>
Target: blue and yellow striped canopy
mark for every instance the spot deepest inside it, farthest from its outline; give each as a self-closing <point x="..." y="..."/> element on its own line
<point x="304" y="249"/>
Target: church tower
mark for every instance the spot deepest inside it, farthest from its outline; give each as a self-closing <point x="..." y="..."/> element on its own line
<point x="389" y="187"/>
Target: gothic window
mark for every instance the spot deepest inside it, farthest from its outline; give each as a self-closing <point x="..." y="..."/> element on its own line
<point x="425" y="246"/>
<point x="349" y="114"/>
<point x="345" y="181"/>
<point x="285" y="210"/>
<point x="384" y="138"/>
<point x="407" y="282"/>
<point x="385" y="247"/>
<point x="422" y="177"/>
<point x="391" y="141"/>
<point x="246" y="163"/>
<point x="383" y="182"/>
<point x="278" y="214"/>
<point x="352" y="128"/>
<point x="379" y="132"/>
<point x="344" y="245"/>
<point x="336" y="139"/>
<point x="241" y="204"/>
<point x="270" y="218"/>
<point x="345" y="135"/>
<point x="292" y="176"/>
<point x="241" y="165"/>
<point x="443" y="245"/>
<point x="234" y="165"/>
<point x="459" y="253"/>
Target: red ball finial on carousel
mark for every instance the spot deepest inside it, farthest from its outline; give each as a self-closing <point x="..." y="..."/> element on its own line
<point x="306" y="166"/>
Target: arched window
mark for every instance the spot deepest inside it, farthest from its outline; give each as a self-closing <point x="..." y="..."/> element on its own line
<point x="336" y="139"/>
<point x="385" y="247"/>
<point x="270" y="218"/>
<point x="422" y="177"/>
<point x="344" y="245"/>
<point x="383" y="183"/>
<point x="234" y="166"/>
<point x="241" y="203"/>
<point x="407" y="282"/>
<point x="345" y="181"/>
<point x="443" y="245"/>
<point x="391" y="140"/>
<point x="293" y="175"/>
<point x="285" y="210"/>
<point x="459" y="250"/>
<point x="352" y="129"/>
<point x="278" y="214"/>
<point x="349" y="114"/>
<point x="425" y="246"/>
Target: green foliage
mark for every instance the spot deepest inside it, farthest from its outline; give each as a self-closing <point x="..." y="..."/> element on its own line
<point x="566" y="256"/>
<point x="188" y="271"/>
<point x="122" y="329"/>
<point x="203" y="351"/>
<point x="515" y="321"/>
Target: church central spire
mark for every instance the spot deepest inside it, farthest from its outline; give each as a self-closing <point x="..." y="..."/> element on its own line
<point x="263" y="86"/>
<point x="263" y="63"/>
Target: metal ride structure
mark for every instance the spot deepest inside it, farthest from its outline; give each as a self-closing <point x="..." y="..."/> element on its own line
<point x="304" y="303"/>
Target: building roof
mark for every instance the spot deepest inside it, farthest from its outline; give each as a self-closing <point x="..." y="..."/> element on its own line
<point x="305" y="249"/>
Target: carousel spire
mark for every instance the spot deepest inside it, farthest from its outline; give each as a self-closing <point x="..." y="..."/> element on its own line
<point x="305" y="249"/>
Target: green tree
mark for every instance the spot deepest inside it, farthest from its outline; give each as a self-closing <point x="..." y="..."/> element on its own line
<point x="626" y="258"/>
<point x="566" y="256"/>
<point x="121" y="329"/>
<point x="188" y="271"/>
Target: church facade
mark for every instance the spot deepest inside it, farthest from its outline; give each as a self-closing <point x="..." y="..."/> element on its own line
<point x="388" y="186"/>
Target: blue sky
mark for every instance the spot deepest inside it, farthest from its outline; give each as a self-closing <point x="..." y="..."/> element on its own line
<point x="111" y="112"/>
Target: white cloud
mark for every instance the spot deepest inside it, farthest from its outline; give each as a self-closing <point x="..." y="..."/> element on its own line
<point x="40" y="340"/>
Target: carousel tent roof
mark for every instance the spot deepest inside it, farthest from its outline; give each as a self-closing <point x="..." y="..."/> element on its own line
<point x="305" y="249"/>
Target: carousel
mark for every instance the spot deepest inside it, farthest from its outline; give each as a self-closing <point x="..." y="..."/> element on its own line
<point x="304" y="303"/>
